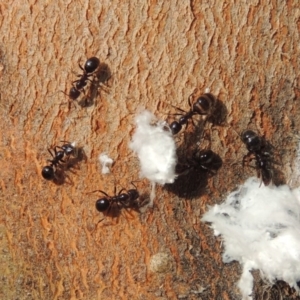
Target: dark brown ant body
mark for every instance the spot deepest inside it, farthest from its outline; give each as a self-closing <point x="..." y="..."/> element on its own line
<point x="60" y="153"/>
<point x="261" y="150"/>
<point x="121" y="200"/>
<point x="78" y="85"/>
<point x="203" y="106"/>
<point x="203" y="160"/>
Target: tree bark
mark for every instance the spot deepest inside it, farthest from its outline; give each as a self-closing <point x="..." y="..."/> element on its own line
<point x="158" y="53"/>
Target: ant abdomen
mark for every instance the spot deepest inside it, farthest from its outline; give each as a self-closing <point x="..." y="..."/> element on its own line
<point x="204" y="105"/>
<point x="175" y="127"/>
<point x="48" y="173"/>
<point x="91" y="65"/>
<point x="102" y="204"/>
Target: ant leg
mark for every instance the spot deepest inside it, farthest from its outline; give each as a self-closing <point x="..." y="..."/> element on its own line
<point x="50" y="153"/>
<point x="55" y="149"/>
<point x="67" y="142"/>
<point x="189" y="99"/>
<point x="178" y="109"/>
<point x="132" y="182"/>
<point x="247" y="159"/>
<point x="98" y="191"/>
<point x="81" y="68"/>
<point x="121" y="191"/>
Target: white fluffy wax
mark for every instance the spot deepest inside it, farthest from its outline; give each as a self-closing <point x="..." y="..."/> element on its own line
<point x="260" y="226"/>
<point x="106" y="162"/>
<point x="155" y="147"/>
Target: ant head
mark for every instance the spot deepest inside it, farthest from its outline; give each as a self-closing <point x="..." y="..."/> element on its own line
<point x="48" y="173"/>
<point x="102" y="204"/>
<point x="134" y="194"/>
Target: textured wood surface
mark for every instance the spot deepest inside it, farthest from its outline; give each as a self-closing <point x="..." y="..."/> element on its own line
<point x="158" y="53"/>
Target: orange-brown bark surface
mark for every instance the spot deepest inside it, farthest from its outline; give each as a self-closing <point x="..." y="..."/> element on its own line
<point x="158" y="53"/>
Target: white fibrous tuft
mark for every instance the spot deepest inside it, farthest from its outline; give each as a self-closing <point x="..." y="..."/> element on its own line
<point x="154" y="144"/>
<point x="260" y="227"/>
<point x="106" y="162"/>
<point x="295" y="176"/>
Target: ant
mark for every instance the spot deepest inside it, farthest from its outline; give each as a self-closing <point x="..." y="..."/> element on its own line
<point x="89" y="68"/>
<point x="261" y="150"/>
<point x="204" y="105"/>
<point x="67" y="150"/>
<point x="122" y="199"/>
<point x="205" y="160"/>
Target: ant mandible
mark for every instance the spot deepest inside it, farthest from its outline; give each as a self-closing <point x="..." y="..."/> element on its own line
<point x="67" y="149"/>
<point x="261" y="150"/>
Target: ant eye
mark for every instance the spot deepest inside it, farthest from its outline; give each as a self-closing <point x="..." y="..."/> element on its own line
<point x="102" y="204"/>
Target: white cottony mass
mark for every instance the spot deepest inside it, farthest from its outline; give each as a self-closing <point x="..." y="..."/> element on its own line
<point x="260" y="227"/>
<point x="106" y="162"/>
<point x="154" y="144"/>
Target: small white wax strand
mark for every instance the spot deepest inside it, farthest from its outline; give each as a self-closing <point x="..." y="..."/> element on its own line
<point x="106" y="162"/>
<point x="152" y="194"/>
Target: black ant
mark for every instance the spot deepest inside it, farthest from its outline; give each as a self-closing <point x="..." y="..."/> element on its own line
<point x="205" y="160"/>
<point x="122" y="199"/>
<point x="66" y="150"/>
<point x="89" y="68"/>
<point x="261" y="150"/>
<point x="203" y="106"/>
